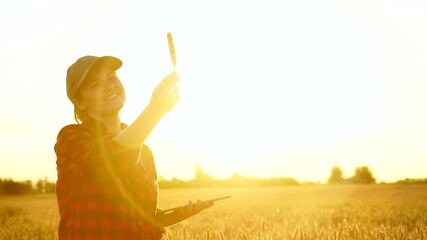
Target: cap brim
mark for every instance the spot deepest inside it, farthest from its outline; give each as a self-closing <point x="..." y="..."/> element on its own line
<point x="111" y="61"/>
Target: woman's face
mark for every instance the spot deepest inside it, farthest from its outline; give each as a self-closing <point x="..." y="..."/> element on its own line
<point x="102" y="94"/>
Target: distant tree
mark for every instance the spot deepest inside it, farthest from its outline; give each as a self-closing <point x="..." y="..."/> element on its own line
<point x="50" y="187"/>
<point x="201" y="179"/>
<point x="238" y="180"/>
<point x="199" y="174"/>
<point x="40" y="186"/>
<point x="12" y="187"/>
<point x="362" y="175"/>
<point x="44" y="186"/>
<point x="173" y="183"/>
<point x="1" y="186"/>
<point x="336" y="176"/>
<point x="283" y="181"/>
<point x="412" y="180"/>
<point x="27" y="186"/>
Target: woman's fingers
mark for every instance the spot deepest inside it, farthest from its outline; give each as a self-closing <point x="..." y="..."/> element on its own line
<point x="163" y="89"/>
<point x="203" y="205"/>
<point x="166" y="94"/>
<point x="208" y="204"/>
<point x="169" y="81"/>
<point x="173" y="91"/>
<point x="198" y="206"/>
<point x="190" y="208"/>
<point x="194" y="208"/>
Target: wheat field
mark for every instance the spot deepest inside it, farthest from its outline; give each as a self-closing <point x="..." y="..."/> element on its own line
<point x="304" y="212"/>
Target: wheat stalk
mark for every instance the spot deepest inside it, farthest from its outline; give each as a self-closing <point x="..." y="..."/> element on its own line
<point x="172" y="50"/>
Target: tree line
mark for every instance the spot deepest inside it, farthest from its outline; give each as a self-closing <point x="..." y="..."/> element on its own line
<point x="9" y="186"/>
<point x="362" y="175"/>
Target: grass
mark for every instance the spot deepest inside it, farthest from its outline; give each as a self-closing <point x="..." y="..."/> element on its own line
<point x="28" y="217"/>
<point x="312" y="212"/>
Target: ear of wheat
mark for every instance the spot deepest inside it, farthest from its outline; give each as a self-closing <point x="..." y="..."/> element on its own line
<point x="172" y="50"/>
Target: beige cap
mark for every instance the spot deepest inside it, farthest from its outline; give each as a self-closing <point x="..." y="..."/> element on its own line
<point x="77" y="72"/>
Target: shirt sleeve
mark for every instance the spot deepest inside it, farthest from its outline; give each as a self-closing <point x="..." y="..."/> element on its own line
<point x="147" y="161"/>
<point x="80" y="153"/>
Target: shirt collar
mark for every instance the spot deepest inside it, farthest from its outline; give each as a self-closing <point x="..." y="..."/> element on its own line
<point x="97" y="127"/>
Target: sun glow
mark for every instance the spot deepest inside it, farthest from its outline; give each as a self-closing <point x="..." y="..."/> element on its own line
<point x="266" y="89"/>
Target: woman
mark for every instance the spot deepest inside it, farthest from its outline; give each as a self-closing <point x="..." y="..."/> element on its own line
<point x="107" y="187"/>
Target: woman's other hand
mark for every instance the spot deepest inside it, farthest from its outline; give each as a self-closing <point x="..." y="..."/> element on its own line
<point x="166" y="219"/>
<point x="194" y="208"/>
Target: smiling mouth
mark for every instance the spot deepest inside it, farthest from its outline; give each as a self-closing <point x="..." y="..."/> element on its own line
<point x="114" y="95"/>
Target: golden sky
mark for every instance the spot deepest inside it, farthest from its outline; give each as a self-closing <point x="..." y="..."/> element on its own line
<point x="268" y="88"/>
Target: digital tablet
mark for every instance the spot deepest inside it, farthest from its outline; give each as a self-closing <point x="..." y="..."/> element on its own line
<point x="208" y="200"/>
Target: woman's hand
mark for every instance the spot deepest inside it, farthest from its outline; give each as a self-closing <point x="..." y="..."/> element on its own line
<point x="194" y="208"/>
<point x="166" y="95"/>
<point x="165" y="219"/>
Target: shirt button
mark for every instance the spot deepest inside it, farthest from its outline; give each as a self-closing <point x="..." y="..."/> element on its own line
<point x="139" y="221"/>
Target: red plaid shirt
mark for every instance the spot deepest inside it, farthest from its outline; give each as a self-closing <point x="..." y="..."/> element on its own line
<point x="104" y="190"/>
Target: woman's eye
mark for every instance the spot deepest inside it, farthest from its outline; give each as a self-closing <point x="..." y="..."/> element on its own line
<point x="94" y="84"/>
